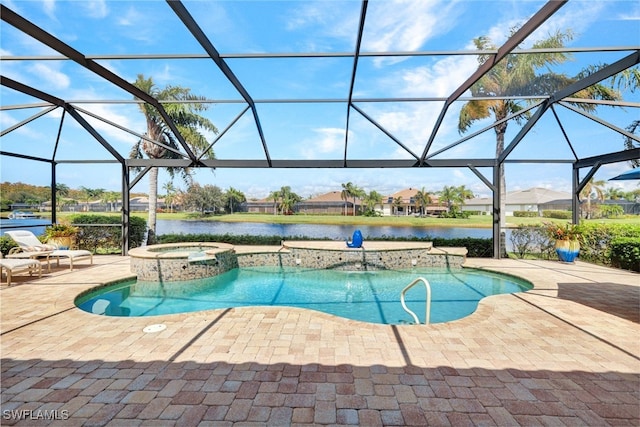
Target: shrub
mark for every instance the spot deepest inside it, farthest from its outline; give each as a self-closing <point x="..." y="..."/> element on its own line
<point x="243" y="239"/>
<point x="525" y="214"/>
<point x="610" y="211"/>
<point x="6" y="244"/>
<point x="522" y="239"/>
<point x="597" y="238"/>
<point x="625" y="253"/>
<point x="556" y="214"/>
<point x="533" y="240"/>
<point x="103" y="233"/>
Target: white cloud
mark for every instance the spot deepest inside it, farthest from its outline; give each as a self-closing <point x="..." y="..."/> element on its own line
<point x="405" y="25"/>
<point x="136" y="26"/>
<point x="95" y="8"/>
<point x="49" y="7"/>
<point x="49" y="74"/>
<point x="329" y="141"/>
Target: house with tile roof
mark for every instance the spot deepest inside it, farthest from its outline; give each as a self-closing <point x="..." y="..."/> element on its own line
<point x="408" y="205"/>
<point x="330" y="203"/>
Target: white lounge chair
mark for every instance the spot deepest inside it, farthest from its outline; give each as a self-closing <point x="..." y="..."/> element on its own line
<point x="31" y="247"/>
<point x="12" y="265"/>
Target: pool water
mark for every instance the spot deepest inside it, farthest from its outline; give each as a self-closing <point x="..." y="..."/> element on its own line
<point x="366" y="296"/>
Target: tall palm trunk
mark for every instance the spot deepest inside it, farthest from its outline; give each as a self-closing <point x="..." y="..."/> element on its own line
<point x="500" y="131"/>
<point x="153" y="203"/>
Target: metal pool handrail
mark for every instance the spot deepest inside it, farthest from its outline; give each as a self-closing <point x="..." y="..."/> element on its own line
<point x="428" y="297"/>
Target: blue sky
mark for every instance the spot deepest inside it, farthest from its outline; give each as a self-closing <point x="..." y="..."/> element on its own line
<point x="304" y="131"/>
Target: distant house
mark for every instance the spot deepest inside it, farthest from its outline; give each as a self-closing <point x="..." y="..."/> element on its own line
<point x="329" y="203"/>
<point x="409" y="205"/>
<point x="531" y="200"/>
<point x="258" y="206"/>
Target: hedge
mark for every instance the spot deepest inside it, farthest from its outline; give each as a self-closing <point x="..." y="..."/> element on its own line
<point x="525" y="214"/>
<point x="104" y="233"/>
<point x="477" y="248"/>
<point x="625" y="253"/>
<point x="556" y="214"/>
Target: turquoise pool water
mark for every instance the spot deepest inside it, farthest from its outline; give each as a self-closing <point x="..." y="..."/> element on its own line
<point x="366" y="296"/>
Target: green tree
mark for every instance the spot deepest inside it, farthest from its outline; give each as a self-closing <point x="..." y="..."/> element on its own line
<point x="189" y="123"/>
<point x="275" y="196"/>
<point x="234" y="198"/>
<point x="522" y="75"/>
<point x="171" y="194"/>
<point x="62" y="191"/>
<point x="613" y="193"/>
<point x="345" y="194"/>
<point x="111" y="197"/>
<point x="91" y="194"/>
<point x="455" y="196"/>
<point x="629" y="79"/>
<point x="372" y="199"/>
<point x="203" y="199"/>
<point x="423" y="199"/>
<point x="288" y="200"/>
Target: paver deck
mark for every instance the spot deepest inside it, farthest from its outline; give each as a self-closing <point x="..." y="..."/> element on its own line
<point x="565" y="353"/>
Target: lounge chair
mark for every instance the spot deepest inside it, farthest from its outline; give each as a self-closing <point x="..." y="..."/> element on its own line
<point x="31" y="247"/>
<point x="356" y="240"/>
<point x="13" y="265"/>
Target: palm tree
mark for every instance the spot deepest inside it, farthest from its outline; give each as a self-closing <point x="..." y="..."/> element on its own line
<point x="235" y="197"/>
<point x="111" y="197"/>
<point x="449" y="194"/>
<point x="356" y="193"/>
<point x="62" y="190"/>
<point x="629" y="79"/>
<point x="455" y="196"/>
<point x="170" y="197"/>
<point x="422" y="200"/>
<point x="347" y="191"/>
<point x="591" y="189"/>
<point x="516" y="75"/>
<point x="91" y="193"/>
<point x="397" y="203"/>
<point x="613" y="193"/>
<point x="288" y="199"/>
<point x="189" y="123"/>
<point x="275" y="196"/>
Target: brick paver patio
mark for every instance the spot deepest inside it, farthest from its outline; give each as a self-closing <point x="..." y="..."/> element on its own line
<point x="565" y="353"/>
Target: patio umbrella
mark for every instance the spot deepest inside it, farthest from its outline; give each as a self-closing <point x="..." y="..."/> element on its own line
<point x="630" y="174"/>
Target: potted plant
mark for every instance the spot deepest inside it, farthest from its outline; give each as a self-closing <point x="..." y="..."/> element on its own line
<point x="566" y="236"/>
<point x="61" y="235"/>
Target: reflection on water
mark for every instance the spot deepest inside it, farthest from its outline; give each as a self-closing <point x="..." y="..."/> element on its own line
<point x="318" y="231"/>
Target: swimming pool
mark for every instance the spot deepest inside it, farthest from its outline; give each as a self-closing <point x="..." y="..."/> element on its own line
<point x="366" y="296"/>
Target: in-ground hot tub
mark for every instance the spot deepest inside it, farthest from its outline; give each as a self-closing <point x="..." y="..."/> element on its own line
<point x="172" y="262"/>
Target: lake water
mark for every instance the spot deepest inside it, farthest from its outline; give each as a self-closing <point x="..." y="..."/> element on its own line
<point x="286" y="231"/>
<point x="316" y="231"/>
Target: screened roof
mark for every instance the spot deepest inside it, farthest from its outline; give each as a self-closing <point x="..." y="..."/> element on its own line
<point x="321" y="85"/>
